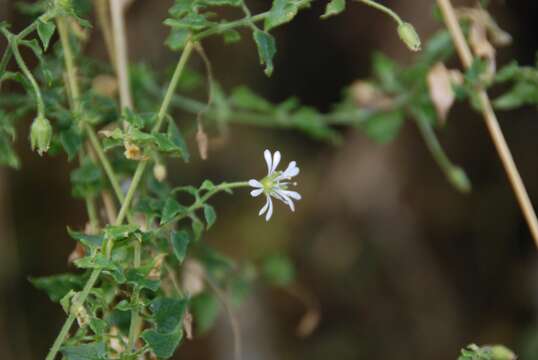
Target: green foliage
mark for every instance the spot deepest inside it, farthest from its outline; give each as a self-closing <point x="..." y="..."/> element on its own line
<point x="278" y="270"/>
<point x="334" y="7"/>
<point x="57" y="286"/>
<point x="266" y="49"/>
<point x="94" y="351"/>
<point x="494" y="352"/>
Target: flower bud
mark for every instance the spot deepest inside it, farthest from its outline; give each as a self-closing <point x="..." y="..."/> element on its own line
<point x="459" y="179"/>
<point x="40" y="134"/>
<point x="159" y="171"/>
<point x="409" y="36"/>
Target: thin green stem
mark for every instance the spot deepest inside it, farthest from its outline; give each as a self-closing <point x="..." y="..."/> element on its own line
<point x="92" y="213"/>
<point x="135" y="316"/>
<point x="244" y="22"/>
<point x="384" y="9"/>
<point x="75" y="93"/>
<point x="30" y="77"/>
<point x="71" y="318"/>
<point x="173" y="84"/>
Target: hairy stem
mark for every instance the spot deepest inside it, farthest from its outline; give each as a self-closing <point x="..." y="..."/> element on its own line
<point x="492" y="123"/>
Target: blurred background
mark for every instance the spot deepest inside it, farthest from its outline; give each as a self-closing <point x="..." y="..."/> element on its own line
<point x="398" y="264"/>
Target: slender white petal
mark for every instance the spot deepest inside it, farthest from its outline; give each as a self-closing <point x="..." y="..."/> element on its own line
<point x="270" y="210"/>
<point x="268" y="161"/>
<point x="292" y="194"/>
<point x="255" y="183"/>
<point x="276" y="160"/>
<point x="266" y="206"/>
<point x="256" y="192"/>
<point x="287" y="201"/>
<point x="291" y="171"/>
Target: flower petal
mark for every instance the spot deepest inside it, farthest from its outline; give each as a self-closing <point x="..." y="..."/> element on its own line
<point x="266" y="206"/>
<point x="286" y="200"/>
<point x="255" y="183"/>
<point x="276" y="160"/>
<point x="292" y="194"/>
<point x="291" y="171"/>
<point x="268" y="161"/>
<point x="256" y="192"/>
<point x="270" y="210"/>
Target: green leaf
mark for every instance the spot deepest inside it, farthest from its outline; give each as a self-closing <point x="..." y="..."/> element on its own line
<point x="210" y="215"/>
<point x="244" y="98"/>
<point x="7" y="154"/>
<point x="177" y="39"/>
<point x="180" y="242"/>
<point x="523" y="93"/>
<point x="90" y="241"/>
<point x="168" y="313"/>
<point x="45" y="30"/>
<point x="163" y="345"/>
<point x="207" y="185"/>
<point x="138" y="278"/>
<point x="172" y="209"/>
<point x="175" y="136"/>
<point x="386" y="70"/>
<point x="120" y="232"/>
<point x="231" y="36"/>
<point x="281" y="12"/>
<point x="94" y="351"/>
<point x="383" y="127"/>
<point x="334" y="7"/>
<point x="87" y="180"/>
<point x="197" y="228"/>
<point x="266" y="49"/>
<point x="57" y="286"/>
<point x="71" y="141"/>
<point x="278" y="270"/>
<point x="98" y="326"/>
<point x="205" y="311"/>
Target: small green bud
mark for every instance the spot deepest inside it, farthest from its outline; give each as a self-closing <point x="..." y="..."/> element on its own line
<point x="40" y="134"/>
<point x="499" y="352"/>
<point x="409" y="36"/>
<point x="459" y="179"/>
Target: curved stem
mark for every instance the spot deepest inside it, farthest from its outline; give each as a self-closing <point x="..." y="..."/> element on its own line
<point x="384" y="9"/>
<point x="30" y="77"/>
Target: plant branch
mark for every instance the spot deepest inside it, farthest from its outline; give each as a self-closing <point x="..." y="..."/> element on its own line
<point x="120" y="52"/>
<point x="382" y="8"/>
<point x="492" y="123"/>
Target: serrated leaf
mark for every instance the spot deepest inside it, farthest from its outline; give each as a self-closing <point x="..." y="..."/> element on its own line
<point x="94" y="351"/>
<point x="91" y="241"/>
<point x="281" y="12"/>
<point x="45" y="30"/>
<point x="57" y="286"/>
<point x="172" y="209"/>
<point x="180" y="241"/>
<point x="138" y="278"/>
<point x="168" y="313"/>
<point x="210" y="215"/>
<point x="163" y="345"/>
<point x="334" y="7"/>
<point x="207" y="185"/>
<point x="266" y="49"/>
<point x="175" y="136"/>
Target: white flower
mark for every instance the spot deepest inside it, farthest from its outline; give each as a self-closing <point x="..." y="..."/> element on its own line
<point x="275" y="184"/>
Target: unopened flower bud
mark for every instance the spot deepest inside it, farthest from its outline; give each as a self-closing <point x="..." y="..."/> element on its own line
<point x="409" y="36"/>
<point x="40" y="134"/>
<point x="159" y="171"/>
<point x="459" y="179"/>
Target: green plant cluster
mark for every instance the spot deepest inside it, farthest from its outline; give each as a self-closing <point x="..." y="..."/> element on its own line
<point x="144" y="274"/>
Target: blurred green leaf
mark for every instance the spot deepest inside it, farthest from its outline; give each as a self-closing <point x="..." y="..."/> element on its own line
<point x="45" y="30"/>
<point x="57" y="286"/>
<point x="93" y="351"/>
<point x="334" y="7"/>
<point x="266" y="49"/>
<point x="210" y="215"/>
<point x="278" y="270"/>
<point x="163" y="344"/>
<point x="180" y="241"/>
<point x="383" y="127"/>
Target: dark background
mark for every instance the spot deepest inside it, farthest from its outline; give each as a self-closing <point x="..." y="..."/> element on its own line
<point x="402" y="265"/>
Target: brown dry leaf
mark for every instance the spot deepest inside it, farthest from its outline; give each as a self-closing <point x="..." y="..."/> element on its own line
<point x="155" y="272"/>
<point x="115" y="343"/>
<point x="187" y="325"/>
<point x="367" y="95"/>
<point x="481" y="46"/>
<point x="105" y="85"/>
<point x="193" y="275"/>
<point x="77" y="253"/>
<point x="202" y="141"/>
<point x="441" y="92"/>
